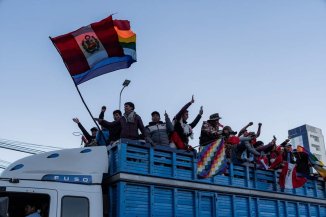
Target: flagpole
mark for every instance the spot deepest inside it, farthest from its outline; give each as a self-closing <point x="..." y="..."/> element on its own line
<point x="81" y="96"/>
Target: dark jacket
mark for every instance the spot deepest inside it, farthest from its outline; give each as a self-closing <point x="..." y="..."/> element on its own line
<point x="288" y="156"/>
<point x="129" y="130"/>
<point x="209" y="133"/>
<point x="178" y="127"/>
<point x="85" y="133"/>
<point x="159" y="132"/>
<point x="303" y="165"/>
<point x="114" y="130"/>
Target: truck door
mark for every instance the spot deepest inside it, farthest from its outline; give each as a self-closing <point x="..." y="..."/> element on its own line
<point x="44" y="200"/>
<point x="81" y="203"/>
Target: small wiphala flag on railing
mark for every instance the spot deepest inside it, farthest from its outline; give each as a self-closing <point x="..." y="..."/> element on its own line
<point x="212" y="159"/>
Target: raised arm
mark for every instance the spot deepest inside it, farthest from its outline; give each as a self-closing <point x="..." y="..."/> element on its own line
<point x="251" y="149"/>
<point x="184" y="108"/>
<point x="259" y="129"/>
<point x="244" y="128"/>
<point x="103" y="109"/>
<point x="81" y="127"/>
<point x="197" y="119"/>
<point x="285" y="142"/>
<point x="169" y="125"/>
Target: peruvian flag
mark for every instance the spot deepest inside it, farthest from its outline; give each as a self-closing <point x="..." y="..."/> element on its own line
<point x="96" y="49"/>
<point x="288" y="177"/>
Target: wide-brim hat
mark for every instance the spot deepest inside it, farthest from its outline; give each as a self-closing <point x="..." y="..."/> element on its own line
<point x="288" y="144"/>
<point x="94" y="129"/>
<point x="214" y="117"/>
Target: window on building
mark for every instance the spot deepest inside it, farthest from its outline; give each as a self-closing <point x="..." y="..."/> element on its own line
<point x="317" y="147"/>
<point x="315" y="138"/>
<point x="74" y="206"/>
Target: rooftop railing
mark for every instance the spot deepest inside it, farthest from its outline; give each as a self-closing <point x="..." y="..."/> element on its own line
<point x="134" y="157"/>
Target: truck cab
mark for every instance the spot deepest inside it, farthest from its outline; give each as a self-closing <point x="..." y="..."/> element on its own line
<point x="62" y="183"/>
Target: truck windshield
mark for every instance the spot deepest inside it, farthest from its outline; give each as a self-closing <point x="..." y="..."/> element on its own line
<point x="23" y="204"/>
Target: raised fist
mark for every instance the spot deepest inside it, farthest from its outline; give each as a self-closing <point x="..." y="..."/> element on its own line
<point x="192" y="99"/>
<point x="201" y="111"/>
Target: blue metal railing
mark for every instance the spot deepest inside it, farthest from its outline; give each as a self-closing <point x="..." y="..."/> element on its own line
<point x="138" y="158"/>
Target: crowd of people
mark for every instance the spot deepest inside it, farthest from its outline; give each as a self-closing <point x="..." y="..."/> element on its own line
<point x="242" y="147"/>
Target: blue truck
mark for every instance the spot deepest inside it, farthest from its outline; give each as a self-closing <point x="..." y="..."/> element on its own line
<point x="133" y="179"/>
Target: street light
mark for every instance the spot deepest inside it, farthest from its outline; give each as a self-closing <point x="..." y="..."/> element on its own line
<point x="124" y="84"/>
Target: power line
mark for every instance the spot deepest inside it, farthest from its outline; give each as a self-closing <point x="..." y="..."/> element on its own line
<point x="24" y="147"/>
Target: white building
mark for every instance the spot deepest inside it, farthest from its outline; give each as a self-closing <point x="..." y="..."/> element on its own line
<point x="311" y="138"/>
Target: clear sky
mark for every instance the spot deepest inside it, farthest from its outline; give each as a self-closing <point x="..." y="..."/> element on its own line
<point x="253" y="60"/>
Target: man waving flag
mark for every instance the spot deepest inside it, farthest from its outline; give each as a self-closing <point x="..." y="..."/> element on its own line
<point x="97" y="49"/>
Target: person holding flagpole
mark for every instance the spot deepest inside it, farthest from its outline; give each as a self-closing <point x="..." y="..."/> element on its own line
<point x="88" y="139"/>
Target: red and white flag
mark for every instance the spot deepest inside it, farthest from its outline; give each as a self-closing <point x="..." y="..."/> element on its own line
<point x="97" y="49"/>
<point x="288" y="177"/>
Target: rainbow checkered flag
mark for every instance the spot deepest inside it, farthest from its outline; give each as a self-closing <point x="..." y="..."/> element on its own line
<point x="212" y="159"/>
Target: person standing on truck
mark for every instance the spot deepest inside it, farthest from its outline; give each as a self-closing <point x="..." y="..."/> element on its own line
<point x="89" y="139"/>
<point x="130" y="122"/>
<point x="210" y="130"/>
<point x="114" y="130"/>
<point x="245" y="150"/>
<point x="287" y="154"/>
<point x="244" y="130"/>
<point x="158" y="130"/>
<point x="231" y="141"/>
<point x="183" y="130"/>
<point x="31" y="211"/>
<point x="96" y="137"/>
